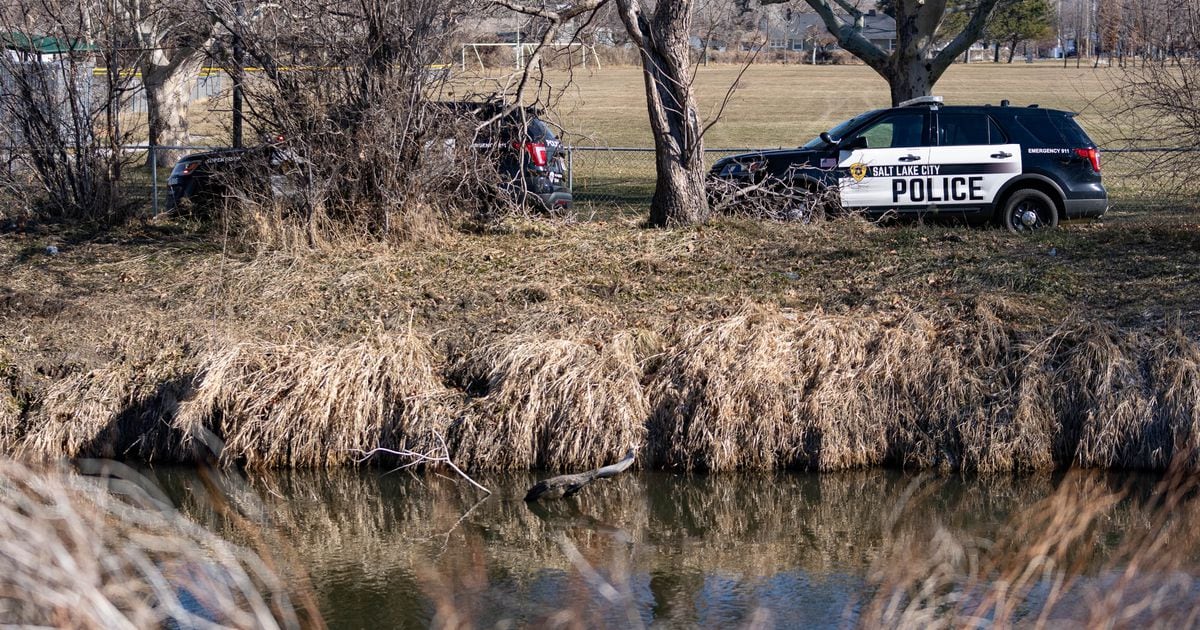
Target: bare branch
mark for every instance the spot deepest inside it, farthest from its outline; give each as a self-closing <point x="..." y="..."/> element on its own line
<point x="850" y="37"/>
<point x="439" y="456"/>
<point x="969" y="35"/>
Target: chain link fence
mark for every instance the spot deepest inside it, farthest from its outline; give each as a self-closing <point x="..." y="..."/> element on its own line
<point x="616" y="177"/>
<point x="625" y="176"/>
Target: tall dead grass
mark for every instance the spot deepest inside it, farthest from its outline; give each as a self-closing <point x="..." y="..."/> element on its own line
<point x="1046" y="569"/>
<point x="971" y="391"/>
<point x="558" y="403"/>
<point x="985" y="387"/>
<point x="296" y="405"/>
<point x="100" y="552"/>
<point x="121" y="408"/>
<point x="10" y="404"/>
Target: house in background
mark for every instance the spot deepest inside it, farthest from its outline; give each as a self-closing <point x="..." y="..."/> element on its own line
<point x="56" y="71"/>
<point x="795" y="31"/>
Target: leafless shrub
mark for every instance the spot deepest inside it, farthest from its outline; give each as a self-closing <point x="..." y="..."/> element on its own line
<point x="354" y="92"/>
<point x="60" y="125"/>
<point x="1155" y="100"/>
<point x="774" y="198"/>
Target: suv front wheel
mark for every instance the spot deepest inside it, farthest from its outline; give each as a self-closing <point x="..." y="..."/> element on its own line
<point x="1028" y="211"/>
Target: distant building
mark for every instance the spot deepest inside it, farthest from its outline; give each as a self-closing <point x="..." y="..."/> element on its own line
<point x="712" y="44"/>
<point x="55" y="70"/>
<point x="790" y="30"/>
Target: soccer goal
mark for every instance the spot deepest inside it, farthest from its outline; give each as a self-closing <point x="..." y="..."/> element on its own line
<point x="521" y="51"/>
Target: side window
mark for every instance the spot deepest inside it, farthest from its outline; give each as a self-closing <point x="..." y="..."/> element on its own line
<point x="897" y="130"/>
<point x="955" y="129"/>
<point x="1071" y="130"/>
<point x="1039" y="125"/>
<point x="996" y="135"/>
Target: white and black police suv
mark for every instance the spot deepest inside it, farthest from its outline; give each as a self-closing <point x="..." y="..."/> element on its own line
<point x="1025" y="167"/>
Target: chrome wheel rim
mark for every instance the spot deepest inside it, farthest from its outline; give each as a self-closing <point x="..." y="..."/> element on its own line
<point x="1029" y="216"/>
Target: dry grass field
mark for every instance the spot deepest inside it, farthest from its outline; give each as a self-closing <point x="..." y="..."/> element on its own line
<point x="774" y="105"/>
<point x="786" y="105"/>
<point x="551" y="344"/>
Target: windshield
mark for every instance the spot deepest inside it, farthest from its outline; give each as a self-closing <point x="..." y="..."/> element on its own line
<point x="540" y="131"/>
<point x="839" y="132"/>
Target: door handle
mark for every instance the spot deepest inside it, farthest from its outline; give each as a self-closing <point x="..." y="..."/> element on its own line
<point x="909" y="158"/>
<point x="1001" y="155"/>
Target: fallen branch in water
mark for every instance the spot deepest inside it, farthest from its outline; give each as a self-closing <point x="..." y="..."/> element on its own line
<point x="564" y="486"/>
<point x="439" y="456"/>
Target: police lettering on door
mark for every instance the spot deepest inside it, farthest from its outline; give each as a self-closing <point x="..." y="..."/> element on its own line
<point x="924" y="183"/>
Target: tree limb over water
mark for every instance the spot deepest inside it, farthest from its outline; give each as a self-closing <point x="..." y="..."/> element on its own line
<point x="564" y="486"/>
<point x="441" y="455"/>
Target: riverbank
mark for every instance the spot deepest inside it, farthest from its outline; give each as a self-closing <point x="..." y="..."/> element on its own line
<point x="736" y="345"/>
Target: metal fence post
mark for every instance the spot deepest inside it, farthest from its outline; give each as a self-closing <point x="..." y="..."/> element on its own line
<point x="571" y="168"/>
<point x="154" y="180"/>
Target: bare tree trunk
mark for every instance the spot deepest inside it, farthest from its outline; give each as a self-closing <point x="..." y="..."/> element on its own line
<point x="1012" y="50"/>
<point x="996" y="52"/>
<point x="907" y="79"/>
<point x="662" y="40"/>
<point x="168" y="92"/>
<point x="912" y="68"/>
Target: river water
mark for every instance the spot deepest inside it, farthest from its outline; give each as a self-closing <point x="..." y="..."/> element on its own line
<point x="655" y="549"/>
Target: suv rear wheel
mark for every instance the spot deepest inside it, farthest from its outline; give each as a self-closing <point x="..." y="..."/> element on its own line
<point x="1028" y="211"/>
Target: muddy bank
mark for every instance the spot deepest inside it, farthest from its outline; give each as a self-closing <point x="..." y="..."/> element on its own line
<point x="738" y="345"/>
<point x="765" y="388"/>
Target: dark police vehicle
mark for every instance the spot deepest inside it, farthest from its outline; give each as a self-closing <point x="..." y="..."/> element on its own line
<point x="201" y="178"/>
<point x="1025" y="167"/>
<point x="522" y="146"/>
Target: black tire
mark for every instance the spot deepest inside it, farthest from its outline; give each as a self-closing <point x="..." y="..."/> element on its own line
<point x="1028" y="211"/>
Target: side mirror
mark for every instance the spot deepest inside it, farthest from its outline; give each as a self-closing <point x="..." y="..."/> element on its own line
<point x="859" y="142"/>
<point x="826" y="138"/>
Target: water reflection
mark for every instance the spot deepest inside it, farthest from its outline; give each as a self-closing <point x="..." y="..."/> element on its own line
<point x="783" y="550"/>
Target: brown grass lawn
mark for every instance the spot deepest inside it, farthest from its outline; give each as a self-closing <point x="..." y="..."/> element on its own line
<point x="785" y="105"/>
<point x="774" y="105"/>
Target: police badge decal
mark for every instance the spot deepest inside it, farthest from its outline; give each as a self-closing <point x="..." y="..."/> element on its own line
<point x="858" y="171"/>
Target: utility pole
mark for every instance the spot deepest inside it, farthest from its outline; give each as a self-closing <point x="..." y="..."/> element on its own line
<point x="238" y="72"/>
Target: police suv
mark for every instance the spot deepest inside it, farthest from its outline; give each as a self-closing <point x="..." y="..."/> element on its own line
<point x="1025" y="167"/>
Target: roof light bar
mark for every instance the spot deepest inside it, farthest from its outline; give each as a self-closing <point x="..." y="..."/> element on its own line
<point x="922" y="100"/>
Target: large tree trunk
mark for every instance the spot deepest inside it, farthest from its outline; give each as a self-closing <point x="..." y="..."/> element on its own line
<point x="913" y="67"/>
<point x="662" y="40"/>
<point x="907" y="79"/>
<point x="168" y="92"/>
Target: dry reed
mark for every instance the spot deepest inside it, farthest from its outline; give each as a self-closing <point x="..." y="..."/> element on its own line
<point x="102" y="552"/>
<point x="558" y="403"/>
<point x="765" y="389"/>
<point x="120" y="409"/>
<point x="1046" y="569"/>
<point x="294" y="405"/>
<point x="985" y="387"/>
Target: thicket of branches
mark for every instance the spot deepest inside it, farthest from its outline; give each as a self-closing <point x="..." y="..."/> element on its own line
<point x="1157" y="96"/>
<point x="351" y="88"/>
<point x="60" y="123"/>
<point x="354" y="90"/>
